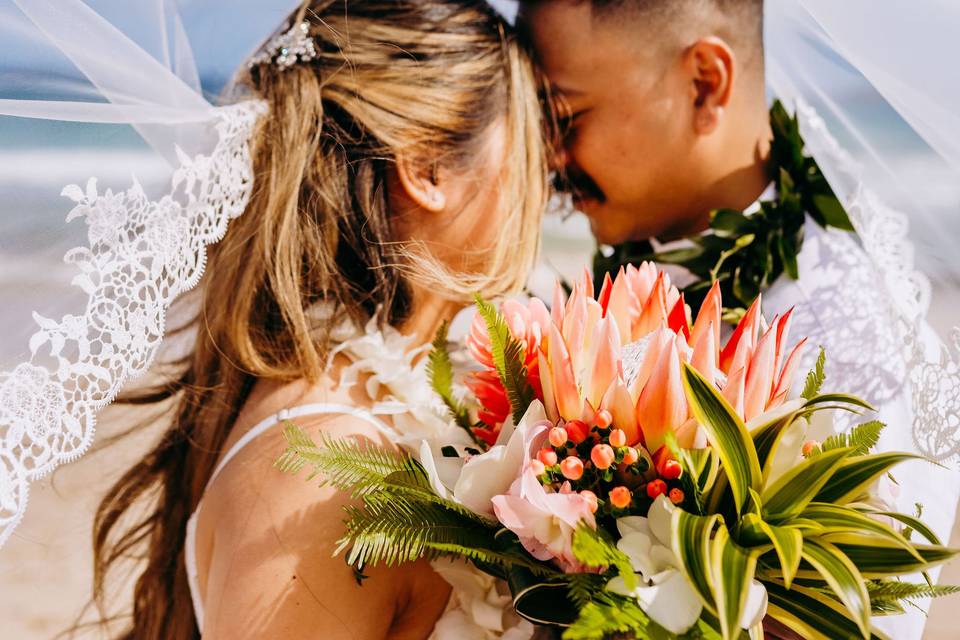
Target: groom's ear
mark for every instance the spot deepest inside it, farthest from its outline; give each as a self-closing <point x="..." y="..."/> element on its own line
<point x="710" y="64"/>
<point x="421" y="181"/>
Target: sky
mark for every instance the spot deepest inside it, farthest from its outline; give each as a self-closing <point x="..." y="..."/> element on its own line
<point x="221" y="34"/>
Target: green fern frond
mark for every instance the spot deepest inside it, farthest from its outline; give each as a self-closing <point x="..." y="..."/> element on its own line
<point x="440" y="374"/>
<point x="894" y="590"/>
<point x="508" y="357"/>
<point x="594" y="549"/>
<point x="862" y="438"/>
<point x="816" y="377"/>
<point x="608" y="615"/>
<point x="346" y="464"/>
<point x="584" y="587"/>
<point x="391" y="529"/>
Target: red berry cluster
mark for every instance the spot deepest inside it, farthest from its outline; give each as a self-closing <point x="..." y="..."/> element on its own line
<point x="596" y="461"/>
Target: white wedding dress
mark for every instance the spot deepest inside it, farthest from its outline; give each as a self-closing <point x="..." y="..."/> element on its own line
<point x="404" y="408"/>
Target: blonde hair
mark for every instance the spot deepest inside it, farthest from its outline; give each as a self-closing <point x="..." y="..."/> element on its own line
<point x="426" y="78"/>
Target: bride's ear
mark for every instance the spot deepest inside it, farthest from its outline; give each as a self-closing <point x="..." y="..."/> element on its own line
<point x="421" y="181"/>
<point x="710" y="64"/>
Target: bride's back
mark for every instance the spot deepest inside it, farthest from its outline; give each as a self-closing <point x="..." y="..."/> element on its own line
<point x="399" y="168"/>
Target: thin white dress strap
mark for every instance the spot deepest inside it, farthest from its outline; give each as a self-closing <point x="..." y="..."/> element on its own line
<point x="190" y="541"/>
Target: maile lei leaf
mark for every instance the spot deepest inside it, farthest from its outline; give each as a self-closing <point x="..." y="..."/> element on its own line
<point x="747" y="253"/>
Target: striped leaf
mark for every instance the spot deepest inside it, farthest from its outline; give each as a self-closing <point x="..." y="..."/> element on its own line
<point x="856" y="474"/>
<point x="838" y="398"/>
<point x="840" y="519"/>
<point x="691" y="544"/>
<point x="732" y="568"/>
<point x="727" y="434"/>
<point x="794" y="490"/>
<point x="877" y="558"/>
<point x="843" y="577"/>
<point x="812" y="615"/>
<point x="910" y="521"/>
<point x="767" y="435"/>
<point x="787" y="541"/>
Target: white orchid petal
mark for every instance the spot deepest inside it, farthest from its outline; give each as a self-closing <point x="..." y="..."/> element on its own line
<point x="660" y="516"/>
<point x="631" y="524"/>
<point x="756" y="606"/>
<point x="430" y="467"/>
<point x="637" y="547"/>
<point x="673" y="604"/>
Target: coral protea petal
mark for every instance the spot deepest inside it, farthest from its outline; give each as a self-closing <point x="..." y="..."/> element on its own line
<point x="746" y="331"/>
<point x="662" y="406"/>
<point x="564" y="381"/>
<point x="709" y="315"/>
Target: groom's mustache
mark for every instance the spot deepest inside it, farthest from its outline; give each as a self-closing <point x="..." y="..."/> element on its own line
<point x="581" y="186"/>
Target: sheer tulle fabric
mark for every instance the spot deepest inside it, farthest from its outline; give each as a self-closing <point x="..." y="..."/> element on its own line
<point x="871" y="84"/>
<point x="114" y="63"/>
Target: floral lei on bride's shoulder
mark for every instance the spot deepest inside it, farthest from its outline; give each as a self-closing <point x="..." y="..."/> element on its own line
<point x="746" y="253"/>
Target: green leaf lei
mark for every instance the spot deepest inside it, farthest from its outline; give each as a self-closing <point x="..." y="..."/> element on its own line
<point x="748" y="253"/>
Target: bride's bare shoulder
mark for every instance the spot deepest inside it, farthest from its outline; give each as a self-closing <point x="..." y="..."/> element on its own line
<point x="272" y="536"/>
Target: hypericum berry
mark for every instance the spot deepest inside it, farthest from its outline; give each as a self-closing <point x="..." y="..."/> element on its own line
<point x="809" y="447"/>
<point x="603" y="419"/>
<point x="656" y="488"/>
<point x="591" y="499"/>
<point x="577" y="431"/>
<point x="618" y="438"/>
<point x="572" y="468"/>
<point x="558" y="437"/>
<point x="631" y="456"/>
<point x="602" y="456"/>
<point x="538" y="468"/>
<point x="620" y="497"/>
<point x="671" y="470"/>
<point x="548" y="457"/>
<point x="676" y="496"/>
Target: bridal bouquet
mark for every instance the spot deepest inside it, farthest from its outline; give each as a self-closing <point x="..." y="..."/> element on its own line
<point x="630" y="475"/>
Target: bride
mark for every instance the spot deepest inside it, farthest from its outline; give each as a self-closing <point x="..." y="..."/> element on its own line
<point x="399" y="169"/>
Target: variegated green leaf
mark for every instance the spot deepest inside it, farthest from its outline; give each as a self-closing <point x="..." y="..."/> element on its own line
<point x="841" y="519"/>
<point x="768" y="434"/>
<point x="914" y="523"/>
<point x="853" y="477"/>
<point x="843" y="577"/>
<point x="812" y="615"/>
<point x="691" y="544"/>
<point x="838" y="398"/>
<point x="787" y="542"/>
<point x="732" y="568"/>
<point x="794" y="490"/>
<point x="877" y="558"/>
<point x="726" y="433"/>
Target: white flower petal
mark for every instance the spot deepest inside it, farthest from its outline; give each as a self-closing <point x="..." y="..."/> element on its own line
<point x="430" y="467"/>
<point x="631" y="524"/>
<point x="756" y="606"/>
<point x="661" y="520"/>
<point x="637" y="547"/>
<point x="673" y="604"/>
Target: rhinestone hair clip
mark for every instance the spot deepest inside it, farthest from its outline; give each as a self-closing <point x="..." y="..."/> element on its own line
<point x="287" y="48"/>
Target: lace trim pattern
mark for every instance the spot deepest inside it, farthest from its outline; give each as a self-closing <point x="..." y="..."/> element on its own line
<point x="932" y="368"/>
<point x="142" y="254"/>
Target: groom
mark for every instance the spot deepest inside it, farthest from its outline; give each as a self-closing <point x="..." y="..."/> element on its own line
<point x="668" y="121"/>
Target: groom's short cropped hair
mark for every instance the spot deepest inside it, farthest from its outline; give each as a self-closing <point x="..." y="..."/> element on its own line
<point x="745" y="16"/>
